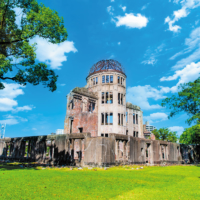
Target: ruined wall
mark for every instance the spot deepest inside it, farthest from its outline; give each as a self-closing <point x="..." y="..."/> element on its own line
<point x="81" y="116"/>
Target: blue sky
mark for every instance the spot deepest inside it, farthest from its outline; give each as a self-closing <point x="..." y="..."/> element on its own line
<point x="157" y="42"/>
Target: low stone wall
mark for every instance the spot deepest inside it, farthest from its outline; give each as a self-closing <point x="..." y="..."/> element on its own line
<point x="82" y="149"/>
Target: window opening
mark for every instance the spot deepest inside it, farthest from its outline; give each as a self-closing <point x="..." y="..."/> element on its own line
<point x="102" y="135"/>
<point x="111" y="97"/>
<point x="107" y="101"/>
<point x="121" y="81"/>
<point x="118" y="98"/>
<point x="122" y="119"/>
<point x="126" y="117"/>
<point x="126" y="132"/>
<point x="111" y="119"/>
<point x="102" y="97"/>
<point x="136" y="134"/>
<point x="106" y="135"/>
<point x="102" y="118"/>
<point x="93" y="81"/>
<point x="103" y="79"/>
<point x="106" y="120"/>
<point x="133" y="133"/>
<point x="122" y="99"/>
<point x="111" y="79"/>
<point x="118" y="78"/>
<point x="118" y="118"/>
<point x="80" y="129"/>
<point x="71" y="125"/>
<point x="96" y="80"/>
<point x="134" y="118"/>
<point x="107" y="78"/>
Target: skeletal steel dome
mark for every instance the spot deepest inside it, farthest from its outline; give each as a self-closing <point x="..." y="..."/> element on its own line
<point x="106" y="65"/>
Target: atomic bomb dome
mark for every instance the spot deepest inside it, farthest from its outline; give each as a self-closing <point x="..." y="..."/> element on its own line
<point x="106" y="65"/>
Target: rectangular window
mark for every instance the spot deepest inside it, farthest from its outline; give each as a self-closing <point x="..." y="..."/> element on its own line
<point x="111" y="119"/>
<point x="122" y="119"/>
<point x="111" y="79"/>
<point x="136" y="134"/>
<point x="118" y="119"/>
<point x="122" y="99"/>
<point x="80" y="130"/>
<point x="106" y="135"/>
<point x="118" y="78"/>
<point x="102" y="135"/>
<point x="102" y="118"/>
<point x="134" y="118"/>
<point x="103" y="79"/>
<point x="96" y="80"/>
<point x="93" y="81"/>
<point x="126" y="117"/>
<point x="106" y="118"/>
<point x="121" y="81"/>
<point x="111" y="97"/>
<point x="118" y="98"/>
<point x="102" y="98"/>
<point x="107" y="99"/>
<point x="133" y="133"/>
<point x="126" y="132"/>
<point x="107" y="78"/>
<point x="93" y="106"/>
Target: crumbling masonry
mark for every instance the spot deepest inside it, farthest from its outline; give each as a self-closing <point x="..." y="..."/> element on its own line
<point x="100" y="128"/>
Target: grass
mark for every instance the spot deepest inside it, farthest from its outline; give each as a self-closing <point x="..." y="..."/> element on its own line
<point x="125" y="182"/>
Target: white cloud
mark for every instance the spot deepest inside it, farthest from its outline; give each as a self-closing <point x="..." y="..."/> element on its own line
<point x="53" y="54"/>
<point x="139" y="95"/>
<point x="178" y="129"/>
<point x="123" y="8"/>
<point x="192" y="45"/>
<point x="145" y="6"/>
<point x="131" y="21"/>
<point x="62" y="84"/>
<point x="156" y="117"/>
<point x="112" y="0"/>
<point x="189" y="73"/>
<point x="7" y="95"/>
<point x="187" y="5"/>
<point x="110" y="10"/>
<point x="119" y="43"/>
<point x="34" y="129"/>
<point x="151" y="55"/>
<point x="12" y="120"/>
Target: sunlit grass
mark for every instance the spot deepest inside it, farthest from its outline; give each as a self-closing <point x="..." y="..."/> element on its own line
<point x="123" y="182"/>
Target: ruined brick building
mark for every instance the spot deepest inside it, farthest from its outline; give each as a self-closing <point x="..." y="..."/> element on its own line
<point x="100" y="128"/>
<point x="100" y="107"/>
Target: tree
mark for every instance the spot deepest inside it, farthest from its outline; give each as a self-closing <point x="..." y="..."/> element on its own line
<point x="165" y="134"/>
<point x="36" y="20"/>
<point x="191" y="135"/>
<point x="187" y="100"/>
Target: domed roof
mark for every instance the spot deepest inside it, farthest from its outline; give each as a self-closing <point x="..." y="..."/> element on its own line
<point x="106" y="65"/>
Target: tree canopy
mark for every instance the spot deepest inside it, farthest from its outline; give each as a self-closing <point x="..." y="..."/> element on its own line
<point x="191" y="135"/>
<point x="165" y="134"/>
<point x="17" y="55"/>
<point x="187" y="100"/>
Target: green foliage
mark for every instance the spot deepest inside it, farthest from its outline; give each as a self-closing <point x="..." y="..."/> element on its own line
<point x="150" y="183"/>
<point x="191" y="135"/>
<point x="36" y="20"/>
<point x="165" y="134"/>
<point x="187" y="100"/>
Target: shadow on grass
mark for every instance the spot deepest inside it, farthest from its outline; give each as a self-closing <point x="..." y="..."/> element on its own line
<point x="18" y="166"/>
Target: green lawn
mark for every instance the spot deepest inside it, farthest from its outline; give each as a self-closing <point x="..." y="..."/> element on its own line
<point x="174" y="182"/>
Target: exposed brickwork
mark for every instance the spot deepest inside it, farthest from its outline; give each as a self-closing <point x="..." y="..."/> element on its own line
<point x="81" y="116"/>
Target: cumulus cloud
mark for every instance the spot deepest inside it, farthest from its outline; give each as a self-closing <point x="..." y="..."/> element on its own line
<point x="12" y="120"/>
<point x="187" y="74"/>
<point x="110" y="10"/>
<point x="131" y="21"/>
<point x="187" y="5"/>
<point x="178" y="129"/>
<point x="53" y="54"/>
<point x="139" y="95"/>
<point x="7" y="98"/>
<point x="156" y="117"/>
